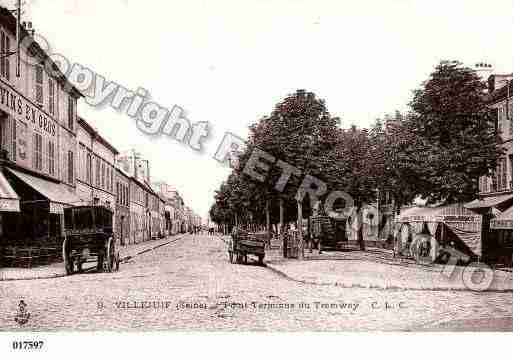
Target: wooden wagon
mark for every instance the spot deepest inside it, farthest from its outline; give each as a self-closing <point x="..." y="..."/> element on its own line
<point x="243" y="244"/>
<point x="89" y="238"/>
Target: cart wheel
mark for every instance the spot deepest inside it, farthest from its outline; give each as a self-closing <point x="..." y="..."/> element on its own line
<point x="260" y="259"/>
<point x="99" y="265"/>
<point x="245" y="258"/>
<point x="117" y="262"/>
<point x="79" y="265"/>
<point x="68" y="262"/>
<point x="230" y="254"/>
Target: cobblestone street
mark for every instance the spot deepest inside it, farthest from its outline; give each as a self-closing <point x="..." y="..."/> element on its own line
<point x="190" y="285"/>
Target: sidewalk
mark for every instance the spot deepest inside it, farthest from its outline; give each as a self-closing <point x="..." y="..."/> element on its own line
<point x="379" y="271"/>
<point x="56" y="270"/>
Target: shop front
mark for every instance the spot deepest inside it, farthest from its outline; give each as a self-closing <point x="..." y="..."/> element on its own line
<point x="433" y="229"/>
<point x="496" y="230"/>
<point x="34" y="233"/>
<point x="499" y="245"/>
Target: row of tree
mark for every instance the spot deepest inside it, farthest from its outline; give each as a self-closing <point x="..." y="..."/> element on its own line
<point x="437" y="151"/>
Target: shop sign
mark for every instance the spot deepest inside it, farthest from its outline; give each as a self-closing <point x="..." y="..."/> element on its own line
<point x="501" y="224"/>
<point x="9" y="205"/>
<point x="417" y="219"/>
<point x="20" y="108"/>
<point x="56" y="208"/>
<point x="460" y="218"/>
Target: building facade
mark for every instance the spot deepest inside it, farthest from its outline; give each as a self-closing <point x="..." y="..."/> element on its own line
<point x="96" y="172"/>
<point x="496" y="190"/>
<point x="38" y="124"/>
<point x="139" y="213"/>
<point x="122" y="207"/>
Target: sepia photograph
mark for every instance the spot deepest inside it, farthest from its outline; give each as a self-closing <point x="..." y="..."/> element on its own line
<point x="256" y="166"/>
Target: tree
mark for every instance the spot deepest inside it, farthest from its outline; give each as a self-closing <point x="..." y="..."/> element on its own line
<point x="298" y="132"/>
<point x="393" y="152"/>
<point x="352" y="167"/>
<point x="454" y="134"/>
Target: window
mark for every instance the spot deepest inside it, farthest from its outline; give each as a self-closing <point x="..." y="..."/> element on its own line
<point x="39" y="85"/>
<point x="5" y="47"/>
<point x="38" y="152"/>
<point x="111" y="181"/>
<point x="71" y="113"/>
<point x="51" y="96"/>
<point x="97" y="172"/>
<point x="500" y="180"/>
<point x="71" y="170"/>
<point x="51" y="158"/>
<point x="103" y="175"/>
<point x="107" y="179"/>
<point x="89" y="168"/>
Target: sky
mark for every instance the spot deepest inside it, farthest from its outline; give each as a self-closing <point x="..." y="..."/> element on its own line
<point x="230" y="62"/>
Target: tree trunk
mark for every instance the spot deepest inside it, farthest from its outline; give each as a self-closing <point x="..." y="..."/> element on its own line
<point x="300" y="254"/>
<point x="359" y="232"/>
<point x="281" y="230"/>
<point x="267" y="218"/>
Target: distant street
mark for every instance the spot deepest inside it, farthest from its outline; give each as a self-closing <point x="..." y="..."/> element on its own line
<point x="190" y="285"/>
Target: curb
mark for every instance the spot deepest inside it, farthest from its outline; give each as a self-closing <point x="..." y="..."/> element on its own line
<point x="128" y="257"/>
<point x="124" y="259"/>
<point x="281" y="273"/>
<point x="50" y="276"/>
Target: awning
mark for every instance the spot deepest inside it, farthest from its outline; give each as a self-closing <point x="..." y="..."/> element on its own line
<point x="9" y="200"/>
<point x="503" y="221"/>
<point x="58" y="195"/>
<point x="462" y="222"/>
<point x="488" y="202"/>
<point x="445" y="214"/>
<point x="419" y="214"/>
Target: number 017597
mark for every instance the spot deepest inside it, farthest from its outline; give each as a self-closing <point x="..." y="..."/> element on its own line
<point x="27" y="345"/>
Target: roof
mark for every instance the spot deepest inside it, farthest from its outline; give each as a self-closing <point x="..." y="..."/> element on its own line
<point x="122" y="172"/>
<point x="488" y="202"/>
<point x="139" y="183"/>
<point x="9" y="22"/>
<point x="96" y="135"/>
<point x="501" y="93"/>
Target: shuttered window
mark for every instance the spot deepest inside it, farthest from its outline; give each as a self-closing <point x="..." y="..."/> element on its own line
<point x="51" y="158"/>
<point x="5" y="64"/>
<point x="51" y="96"/>
<point x="71" y="113"/>
<point x="39" y="85"/>
<point x="38" y="152"/>
<point x="71" y="169"/>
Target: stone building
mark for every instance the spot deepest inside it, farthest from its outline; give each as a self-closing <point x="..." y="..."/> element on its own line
<point x="496" y="190"/>
<point x="96" y="171"/>
<point x="139" y="212"/>
<point x="122" y="207"/>
<point x="38" y="130"/>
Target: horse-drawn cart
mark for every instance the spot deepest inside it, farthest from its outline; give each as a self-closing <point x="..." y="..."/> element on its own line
<point x="243" y="243"/>
<point x="89" y="238"/>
